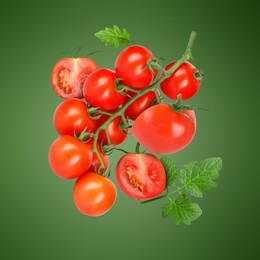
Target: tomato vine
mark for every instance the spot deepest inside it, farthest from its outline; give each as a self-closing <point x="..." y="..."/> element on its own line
<point x="187" y="55"/>
<point x="91" y="130"/>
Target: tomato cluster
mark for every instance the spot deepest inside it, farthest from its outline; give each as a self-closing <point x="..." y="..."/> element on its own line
<point x="100" y="107"/>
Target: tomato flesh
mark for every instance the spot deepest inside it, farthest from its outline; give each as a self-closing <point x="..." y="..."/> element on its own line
<point x="140" y="176"/>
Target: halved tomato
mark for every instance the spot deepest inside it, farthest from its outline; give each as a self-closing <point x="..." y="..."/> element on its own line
<point x="140" y="176"/>
<point x="69" y="74"/>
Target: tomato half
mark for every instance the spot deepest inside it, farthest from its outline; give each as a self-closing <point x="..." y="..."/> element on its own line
<point x="68" y="157"/>
<point x="71" y="117"/>
<point x="69" y="74"/>
<point x="117" y="134"/>
<point x="93" y="194"/>
<point x="182" y="81"/>
<point x="162" y="130"/>
<point x="100" y="90"/>
<point x="131" y="67"/>
<point x="140" y="176"/>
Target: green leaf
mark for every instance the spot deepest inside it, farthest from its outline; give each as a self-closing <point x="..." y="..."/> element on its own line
<point x="199" y="176"/>
<point x="182" y="210"/>
<point x="167" y="210"/>
<point x="170" y="170"/>
<point x="114" y="36"/>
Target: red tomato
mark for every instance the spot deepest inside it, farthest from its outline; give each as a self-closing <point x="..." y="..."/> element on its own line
<point x="93" y="194"/>
<point x="71" y="117"/>
<point x="162" y="130"/>
<point x="182" y="81"/>
<point x="116" y="133"/>
<point x="130" y="67"/>
<point x="69" y="74"/>
<point x="140" y="176"/>
<point x="100" y="90"/>
<point x="138" y="106"/>
<point x="95" y="166"/>
<point x="68" y="157"/>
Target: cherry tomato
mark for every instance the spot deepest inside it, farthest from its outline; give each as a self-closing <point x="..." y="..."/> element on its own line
<point x="93" y="194"/>
<point x="100" y="90"/>
<point x="162" y="130"/>
<point x="95" y="166"/>
<point x="138" y="106"/>
<point x="131" y="67"/>
<point x="69" y="158"/>
<point x="68" y="75"/>
<point x="71" y="117"/>
<point x="182" y="81"/>
<point x="140" y="176"/>
<point x="116" y="132"/>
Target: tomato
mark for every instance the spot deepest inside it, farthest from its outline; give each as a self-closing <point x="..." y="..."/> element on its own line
<point x="69" y="158"/>
<point x="130" y="67"/>
<point x="162" y="130"/>
<point x="71" y="117"/>
<point x="140" y="176"/>
<point x="100" y="90"/>
<point x="93" y="194"/>
<point x="116" y="132"/>
<point x="182" y="81"/>
<point x="139" y="105"/>
<point x="95" y="166"/>
<point x="68" y="75"/>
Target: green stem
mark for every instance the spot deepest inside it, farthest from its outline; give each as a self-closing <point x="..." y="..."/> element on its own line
<point x="178" y="190"/>
<point x="137" y="148"/>
<point x="153" y="87"/>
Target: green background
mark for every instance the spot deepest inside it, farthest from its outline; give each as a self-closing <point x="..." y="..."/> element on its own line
<point x="38" y="218"/>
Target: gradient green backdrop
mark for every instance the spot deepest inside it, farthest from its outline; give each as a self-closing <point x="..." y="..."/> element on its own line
<point x="38" y="218"/>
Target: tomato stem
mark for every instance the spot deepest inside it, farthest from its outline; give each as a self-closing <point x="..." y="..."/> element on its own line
<point x="137" y="150"/>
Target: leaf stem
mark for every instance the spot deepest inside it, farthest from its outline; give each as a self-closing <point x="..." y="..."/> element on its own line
<point x="166" y="195"/>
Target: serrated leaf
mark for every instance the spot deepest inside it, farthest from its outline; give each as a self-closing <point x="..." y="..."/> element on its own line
<point x="114" y="36"/>
<point x="167" y="210"/>
<point x="182" y="210"/>
<point x="199" y="176"/>
<point x="170" y="170"/>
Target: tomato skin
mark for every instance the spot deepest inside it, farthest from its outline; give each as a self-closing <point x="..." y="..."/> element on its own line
<point x="117" y="136"/>
<point x="130" y="67"/>
<point x="99" y="90"/>
<point x="182" y="81"/>
<point x="71" y="117"/>
<point x="138" y="106"/>
<point x="162" y="130"/>
<point x="68" y="75"/>
<point x="68" y="157"/>
<point x="140" y="176"/>
<point x="93" y="194"/>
